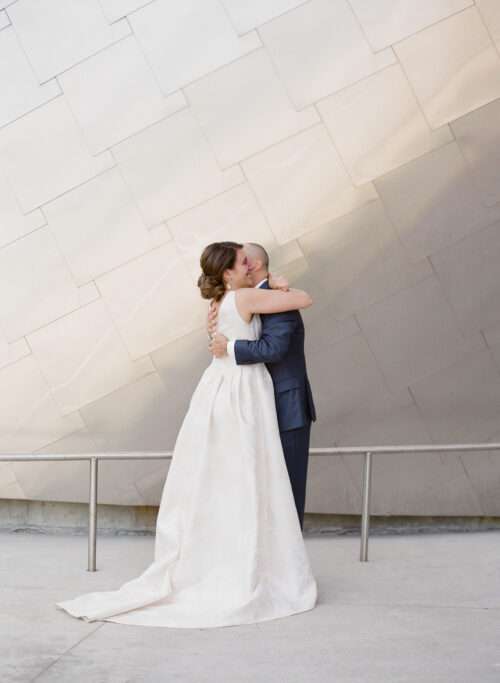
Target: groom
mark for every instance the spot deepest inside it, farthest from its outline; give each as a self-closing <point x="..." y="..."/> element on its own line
<point x="281" y="348"/>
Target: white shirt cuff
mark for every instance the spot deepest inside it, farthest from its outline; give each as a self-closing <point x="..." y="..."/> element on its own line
<point x="230" y="349"/>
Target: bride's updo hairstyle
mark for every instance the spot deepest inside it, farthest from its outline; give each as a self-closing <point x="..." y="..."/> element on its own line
<point x="215" y="259"/>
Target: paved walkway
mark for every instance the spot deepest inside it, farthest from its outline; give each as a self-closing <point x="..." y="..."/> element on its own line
<point x="424" y="609"/>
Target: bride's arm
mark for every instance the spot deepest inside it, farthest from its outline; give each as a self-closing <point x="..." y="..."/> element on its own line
<point x="275" y="340"/>
<point x="251" y="300"/>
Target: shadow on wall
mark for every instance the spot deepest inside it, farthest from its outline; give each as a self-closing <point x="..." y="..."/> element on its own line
<point x="403" y="347"/>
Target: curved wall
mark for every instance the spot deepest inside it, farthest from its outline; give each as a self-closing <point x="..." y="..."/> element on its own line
<point x="358" y="141"/>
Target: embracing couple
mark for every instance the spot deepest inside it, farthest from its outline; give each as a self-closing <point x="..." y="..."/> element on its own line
<point x="228" y="547"/>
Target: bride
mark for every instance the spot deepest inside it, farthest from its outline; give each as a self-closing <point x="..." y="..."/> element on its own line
<point x="228" y="547"/>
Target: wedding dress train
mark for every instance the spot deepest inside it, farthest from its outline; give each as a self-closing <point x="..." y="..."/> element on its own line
<point x="228" y="548"/>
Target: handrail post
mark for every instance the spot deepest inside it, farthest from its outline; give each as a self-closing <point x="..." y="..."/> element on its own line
<point x="365" y="512"/>
<point x="92" y="537"/>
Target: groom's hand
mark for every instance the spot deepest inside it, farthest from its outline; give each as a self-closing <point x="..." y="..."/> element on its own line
<point x="218" y="345"/>
<point x="278" y="282"/>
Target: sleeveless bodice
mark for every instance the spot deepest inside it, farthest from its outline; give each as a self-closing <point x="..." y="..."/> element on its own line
<point x="231" y="324"/>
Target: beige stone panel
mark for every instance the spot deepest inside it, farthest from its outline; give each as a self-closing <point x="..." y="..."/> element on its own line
<point x="342" y="375"/>
<point x="170" y="168"/>
<point x="483" y="470"/>
<point x="248" y="15"/>
<point x="116" y="9"/>
<point x="330" y="485"/>
<point x="11" y="489"/>
<point x="37" y="286"/>
<point x="83" y="357"/>
<point x="184" y="41"/>
<point x="285" y="255"/>
<point x="302" y="184"/>
<point x="412" y="483"/>
<point x="383" y="418"/>
<point x="492" y="334"/>
<point x="377" y="125"/>
<point x="389" y="21"/>
<point x="319" y="48"/>
<point x="240" y="120"/>
<point x="98" y="227"/>
<point x="10" y="353"/>
<point x="490" y="12"/>
<point x="41" y="167"/>
<point x="413" y="334"/>
<point x="359" y="260"/>
<point x="9" y="486"/>
<point x="180" y="365"/>
<point x="433" y="201"/>
<point x="57" y="34"/>
<point x="423" y="484"/>
<point x="30" y="418"/>
<point x="376" y="418"/>
<point x="322" y="328"/>
<point x="21" y="91"/>
<point x="114" y="94"/>
<point x="153" y="300"/>
<point x="452" y="66"/>
<point x="461" y="403"/>
<point x="478" y="137"/>
<point x="133" y="418"/>
<point x="233" y="215"/>
<point x="468" y="272"/>
<point x="58" y="481"/>
<point x="288" y="260"/>
<point x="492" y="337"/>
<point x="150" y="486"/>
<point x="13" y="223"/>
<point x="88" y="293"/>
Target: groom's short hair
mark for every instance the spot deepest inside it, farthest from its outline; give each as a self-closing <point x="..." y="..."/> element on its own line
<point x="261" y="254"/>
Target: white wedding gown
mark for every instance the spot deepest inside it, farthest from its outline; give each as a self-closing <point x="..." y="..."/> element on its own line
<point x="228" y="548"/>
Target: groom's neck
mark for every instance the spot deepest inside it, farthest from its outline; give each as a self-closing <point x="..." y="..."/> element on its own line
<point x="258" y="276"/>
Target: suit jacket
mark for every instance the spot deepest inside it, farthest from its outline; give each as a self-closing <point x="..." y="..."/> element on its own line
<point x="281" y="348"/>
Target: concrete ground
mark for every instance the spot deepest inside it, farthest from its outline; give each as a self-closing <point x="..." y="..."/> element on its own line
<point x="425" y="608"/>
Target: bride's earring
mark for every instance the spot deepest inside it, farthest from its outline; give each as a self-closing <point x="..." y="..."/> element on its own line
<point x="228" y="285"/>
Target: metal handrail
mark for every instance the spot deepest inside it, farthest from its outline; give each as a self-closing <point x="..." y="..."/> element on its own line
<point x="94" y="458"/>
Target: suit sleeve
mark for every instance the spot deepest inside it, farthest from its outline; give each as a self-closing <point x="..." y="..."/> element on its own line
<point x="273" y="344"/>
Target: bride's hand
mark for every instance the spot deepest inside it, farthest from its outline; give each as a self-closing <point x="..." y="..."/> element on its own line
<point x="218" y="345"/>
<point x="278" y="282"/>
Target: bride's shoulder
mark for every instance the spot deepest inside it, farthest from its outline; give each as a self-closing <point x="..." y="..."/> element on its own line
<point x="243" y="302"/>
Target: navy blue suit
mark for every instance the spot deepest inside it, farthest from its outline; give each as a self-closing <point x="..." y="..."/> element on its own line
<point x="281" y="348"/>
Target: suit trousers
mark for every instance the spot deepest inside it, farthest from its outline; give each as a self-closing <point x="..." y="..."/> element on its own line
<point x="295" y="444"/>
